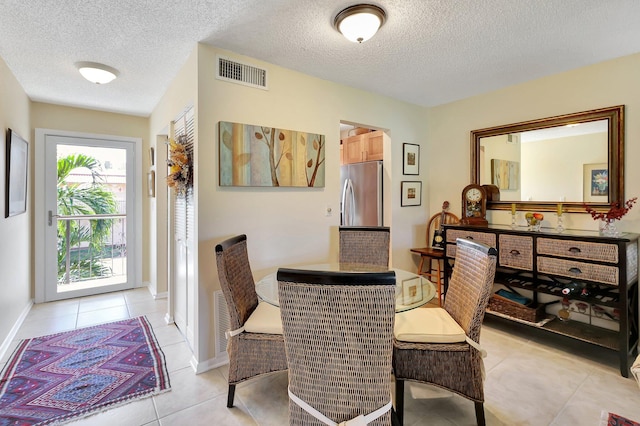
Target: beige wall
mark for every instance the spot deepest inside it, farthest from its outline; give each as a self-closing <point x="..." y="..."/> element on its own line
<point x="605" y="84"/>
<point x="286" y="226"/>
<point x="15" y="232"/>
<point x="58" y="117"/>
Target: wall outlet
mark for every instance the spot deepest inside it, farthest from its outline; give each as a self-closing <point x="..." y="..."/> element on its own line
<point x="328" y="211"/>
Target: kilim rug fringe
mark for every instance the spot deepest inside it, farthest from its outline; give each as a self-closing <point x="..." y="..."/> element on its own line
<point x="55" y="379"/>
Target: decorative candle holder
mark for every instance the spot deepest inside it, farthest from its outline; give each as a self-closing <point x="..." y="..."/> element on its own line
<point x="560" y="227"/>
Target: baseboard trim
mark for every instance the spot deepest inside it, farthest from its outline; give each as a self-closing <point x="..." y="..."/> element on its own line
<point x="6" y="344"/>
<point x="156" y="296"/>
<point x="162" y="295"/>
<point x="210" y="364"/>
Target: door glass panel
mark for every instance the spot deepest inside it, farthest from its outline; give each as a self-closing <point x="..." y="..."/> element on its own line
<point x="91" y="217"/>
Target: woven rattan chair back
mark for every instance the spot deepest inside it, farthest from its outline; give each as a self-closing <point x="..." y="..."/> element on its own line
<point x="453" y="366"/>
<point x="365" y="245"/>
<point x="338" y="331"/>
<point x="250" y="354"/>
<point x="236" y="279"/>
<point x="471" y="285"/>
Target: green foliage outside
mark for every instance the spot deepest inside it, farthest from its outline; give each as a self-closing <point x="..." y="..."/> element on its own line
<point x="83" y="199"/>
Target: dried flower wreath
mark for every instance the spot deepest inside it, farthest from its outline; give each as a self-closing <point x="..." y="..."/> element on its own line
<point x="179" y="162"/>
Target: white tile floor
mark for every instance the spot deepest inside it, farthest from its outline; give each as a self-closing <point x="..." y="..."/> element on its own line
<point x="532" y="378"/>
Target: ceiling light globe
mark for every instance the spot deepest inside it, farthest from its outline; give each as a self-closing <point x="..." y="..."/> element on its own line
<point x="360" y="22"/>
<point x="97" y="73"/>
<point x="359" y="27"/>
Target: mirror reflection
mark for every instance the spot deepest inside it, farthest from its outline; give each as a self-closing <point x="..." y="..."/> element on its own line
<point x="574" y="159"/>
<point x="555" y="164"/>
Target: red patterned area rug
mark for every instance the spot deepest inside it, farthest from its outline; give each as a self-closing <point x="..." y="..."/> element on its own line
<point x="61" y="377"/>
<point x="611" y="419"/>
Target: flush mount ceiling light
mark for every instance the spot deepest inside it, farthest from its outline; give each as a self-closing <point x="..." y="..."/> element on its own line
<point x="360" y="22"/>
<point x="97" y="73"/>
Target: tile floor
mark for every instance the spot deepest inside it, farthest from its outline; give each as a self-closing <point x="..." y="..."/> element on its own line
<point x="533" y="378"/>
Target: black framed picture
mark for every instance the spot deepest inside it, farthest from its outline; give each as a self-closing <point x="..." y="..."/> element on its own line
<point x="17" y="156"/>
<point x="411" y="192"/>
<point x="410" y="159"/>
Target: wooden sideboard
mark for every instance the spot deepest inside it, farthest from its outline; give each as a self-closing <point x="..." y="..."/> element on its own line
<point x="594" y="277"/>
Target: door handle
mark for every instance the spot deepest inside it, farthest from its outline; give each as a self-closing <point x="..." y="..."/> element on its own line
<point x="50" y="217"/>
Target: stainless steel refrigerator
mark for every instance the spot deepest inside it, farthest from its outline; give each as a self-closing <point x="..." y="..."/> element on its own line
<point x="361" y="202"/>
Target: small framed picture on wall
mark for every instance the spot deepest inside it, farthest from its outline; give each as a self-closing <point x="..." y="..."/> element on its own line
<point x="410" y="159"/>
<point x="411" y="193"/>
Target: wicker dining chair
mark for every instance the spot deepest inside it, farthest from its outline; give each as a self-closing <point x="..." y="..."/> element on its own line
<point x="365" y="245"/>
<point x="440" y="346"/>
<point x="338" y="333"/>
<point x="255" y="343"/>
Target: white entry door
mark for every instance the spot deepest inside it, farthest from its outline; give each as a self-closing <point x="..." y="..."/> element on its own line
<point x="90" y="198"/>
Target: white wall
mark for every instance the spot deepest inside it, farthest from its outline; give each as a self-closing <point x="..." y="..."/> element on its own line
<point x="16" y="249"/>
<point x="602" y="85"/>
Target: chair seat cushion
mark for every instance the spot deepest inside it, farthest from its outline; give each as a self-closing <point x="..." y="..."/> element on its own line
<point x="427" y="325"/>
<point x="264" y="319"/>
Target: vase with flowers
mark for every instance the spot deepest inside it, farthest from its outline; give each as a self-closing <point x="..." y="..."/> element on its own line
<point x="607" y="219"/>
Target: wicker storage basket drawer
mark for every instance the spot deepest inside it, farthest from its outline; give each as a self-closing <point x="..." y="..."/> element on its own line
<point x="583" y="271"/>
<point x="515" y="251"/>
<point x="513" y="309"/>
<point x="487" y="238"/>
<point x="579" y="250"/>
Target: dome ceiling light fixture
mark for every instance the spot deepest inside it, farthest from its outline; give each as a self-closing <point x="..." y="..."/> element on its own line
<point x="97" y="73"/>
<point x="360" y="22"/>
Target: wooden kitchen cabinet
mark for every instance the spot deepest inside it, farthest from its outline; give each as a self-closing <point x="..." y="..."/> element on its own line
<point x="361" y="148"/>
<point x="595" y="276"/>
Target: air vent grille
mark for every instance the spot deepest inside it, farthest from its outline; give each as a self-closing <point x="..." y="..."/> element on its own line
<point x="238" y="72"/>
<point x="223" y="322"/>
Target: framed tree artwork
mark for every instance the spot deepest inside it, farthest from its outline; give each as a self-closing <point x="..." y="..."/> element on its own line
<point x="255" y="155"/>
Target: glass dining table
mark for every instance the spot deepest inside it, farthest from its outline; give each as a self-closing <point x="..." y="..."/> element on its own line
<point x="412" y="291"/>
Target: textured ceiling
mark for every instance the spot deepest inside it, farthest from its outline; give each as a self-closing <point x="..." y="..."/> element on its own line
<point x="429" y="52"/>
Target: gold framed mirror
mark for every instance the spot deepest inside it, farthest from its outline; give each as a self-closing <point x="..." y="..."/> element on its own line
<point x="571" y="159"/>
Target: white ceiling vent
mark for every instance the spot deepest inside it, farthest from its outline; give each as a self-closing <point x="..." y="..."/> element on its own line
<point x="241" y="73"/>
